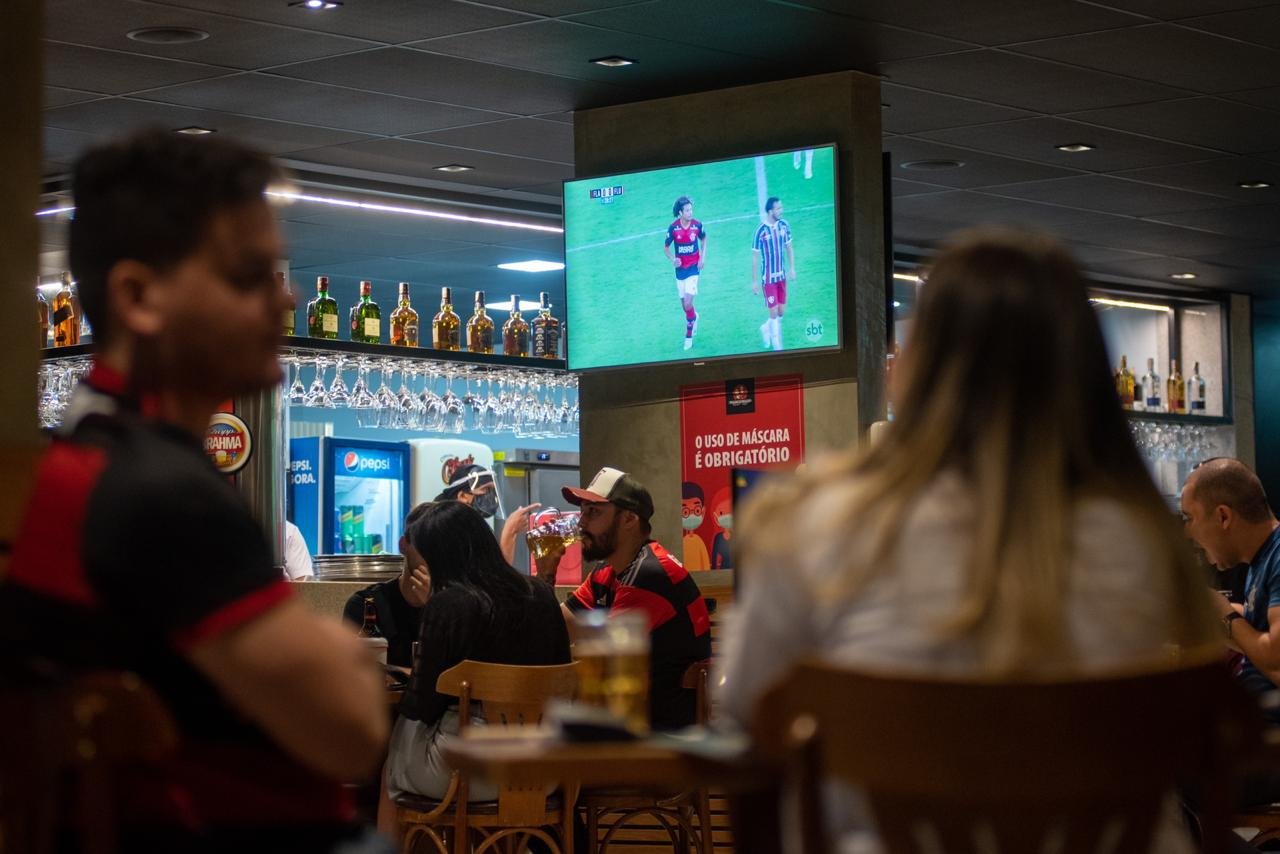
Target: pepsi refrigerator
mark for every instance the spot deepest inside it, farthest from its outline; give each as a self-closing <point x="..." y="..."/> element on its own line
<point x="349" y="496"/>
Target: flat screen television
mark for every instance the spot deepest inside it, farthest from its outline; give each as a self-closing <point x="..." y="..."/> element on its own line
<point x="713" y="260"/>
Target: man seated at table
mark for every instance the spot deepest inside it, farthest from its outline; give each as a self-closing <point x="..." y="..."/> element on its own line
<point x="1226" y="513"/>
<point x="639" y="575"/>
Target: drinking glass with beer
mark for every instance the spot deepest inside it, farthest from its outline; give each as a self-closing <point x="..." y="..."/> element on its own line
<point x="552" y="530"/>
<point x="613" y="666"/>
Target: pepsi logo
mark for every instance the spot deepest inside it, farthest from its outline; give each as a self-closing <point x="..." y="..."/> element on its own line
<point x="351" y="461"/>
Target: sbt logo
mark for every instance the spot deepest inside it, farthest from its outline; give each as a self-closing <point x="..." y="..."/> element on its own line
<point x="352" y="461"/>
<point x="813" y="329"/>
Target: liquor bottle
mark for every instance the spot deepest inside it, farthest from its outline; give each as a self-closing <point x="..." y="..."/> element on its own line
<point x="404" y="321"/>
<point x="65" y="319"/>
<point x="42" y="317"/>
<point x="1195" y="392"/>
<point x="366" y="317"/>
<point x="288" y="312"/>
<point x="1151" y="401"/>
<point x="1175" y="391"/>
<point x="1125" y="383"/>
<point x="546" y="331"/>
<point x="322" y="312"/>
<point x="480" y="328"/>
<point x="446" y="327"/>
<point x="369" y="627"/>
<point x="515" y="332"/>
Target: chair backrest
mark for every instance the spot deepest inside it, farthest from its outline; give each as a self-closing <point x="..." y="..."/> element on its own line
<point x="695" y="678"/>
<point x="80" y="731"/>
<point x="511" y="696"/>
<point x="1074" y="766"/>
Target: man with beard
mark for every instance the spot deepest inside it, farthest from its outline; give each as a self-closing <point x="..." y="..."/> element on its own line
<point x="638" y="574"/>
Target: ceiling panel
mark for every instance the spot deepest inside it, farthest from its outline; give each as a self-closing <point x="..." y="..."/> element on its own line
<point x="1112" y="195"/>
<point x="903" y="187"/>
<point x="92" y="70"/>
<point x="390" y="21"/>
<point x="457" y="233"/>
<point x="907" y="110"/>
<point x="1219" y="176"/>
<point x="979" y="170"/>
<point x="1035" y="139"/>
<point x="286" y="99"/>
<point x="1161" y="268"/>
<point x="1022" y="81"/>
<point x="55" y="97"/>
<point x="352" y="238"/>
<point x="1207" y="122"/>
<point x="64" y="146"/>
<point x="115" y="116"/>
<point x="792" y="35"/>
<point x="1198" y="61"/>
<point x="447" y="79"/>
<point x="420" y="158"/>
<point x="1157" y="238"/>
<point x="552" y="8"/>
<point x="1261" y="222"/>
<point x="525" y="137"/>
<point x="1173" y="9"/>
<point x="1263" y="259"/>
<point x="232" y="42"/>
<point x="968" y="209"/>
<point x="989" y="23"/>
<point x="1260" y="25"/>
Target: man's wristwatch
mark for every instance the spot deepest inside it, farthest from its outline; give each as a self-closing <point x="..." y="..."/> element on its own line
<point x="1228" y="620"/>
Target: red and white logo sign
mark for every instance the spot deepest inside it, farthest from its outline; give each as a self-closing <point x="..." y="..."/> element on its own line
<point x="228" y="443"/>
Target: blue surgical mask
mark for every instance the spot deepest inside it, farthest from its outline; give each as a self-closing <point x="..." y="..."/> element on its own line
<point x="691" y="523"/>
<point x="725" y="521"/>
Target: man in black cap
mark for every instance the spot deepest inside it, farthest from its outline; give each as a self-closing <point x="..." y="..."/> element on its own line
<point x="638" y="574"/>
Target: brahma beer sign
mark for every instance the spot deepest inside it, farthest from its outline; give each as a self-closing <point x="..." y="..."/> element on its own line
<point x="227" y="442"/>
<point x="754" y="423"/>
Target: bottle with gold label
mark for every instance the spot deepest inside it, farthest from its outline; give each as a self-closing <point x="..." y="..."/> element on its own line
<point x="1125" y="383"/>
<point x="1175" y="394"/>
<point x="1195" y="392"/>
<point x="65" y="319"/>
<point x="322" y="312"/>
<point x="366" y="317"/>
<point x="515" y="332"/>
<point x="42" y="317"/>
<point x="480" y="328"/>
<point x="404" y="321"/>
<point x="288" y="325"/>
<point x="446" y="327"/>
<point x="546" y="331"/>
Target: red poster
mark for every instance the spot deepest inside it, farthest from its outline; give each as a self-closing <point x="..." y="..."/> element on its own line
<point x="746" y="424"/>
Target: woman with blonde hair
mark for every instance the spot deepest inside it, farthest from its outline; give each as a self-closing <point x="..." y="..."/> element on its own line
<point x="1004" y="524"/>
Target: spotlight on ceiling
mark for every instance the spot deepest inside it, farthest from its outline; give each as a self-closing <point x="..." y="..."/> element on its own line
<point x="1254" y="185"/>
<point x="612" y="61"/>
<point x="167" y="35"/>
<point x="532" y="266"/>
<point x="454" y="167"/>
<point x="194" y="130"/>
<point x="316" y="4"/>
<point x="931" y="165"/>
<point x="1182" y="276"/>
<point x="1075" y="147"/>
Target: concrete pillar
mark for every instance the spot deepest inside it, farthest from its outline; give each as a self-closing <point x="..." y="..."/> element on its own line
<point x="631" y="419"/>
<point x="20" y="153"/>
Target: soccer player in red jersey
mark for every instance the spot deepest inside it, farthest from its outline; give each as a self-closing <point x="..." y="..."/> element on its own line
<point x="771" y="243"/>
<point x="689" y="239"/>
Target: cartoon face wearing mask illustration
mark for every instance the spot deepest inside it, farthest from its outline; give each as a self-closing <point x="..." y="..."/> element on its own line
<point x="691" y="505"/>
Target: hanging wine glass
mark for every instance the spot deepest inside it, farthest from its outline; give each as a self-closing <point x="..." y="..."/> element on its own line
<point x="318" y="393"/>
<point x="338" y="394"/>
<point x="297" y="393"/>
<point x="386" y="397"/>
<point x="453" y="410"/>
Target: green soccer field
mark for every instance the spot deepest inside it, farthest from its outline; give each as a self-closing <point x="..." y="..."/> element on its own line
<point x="623" y="307"/>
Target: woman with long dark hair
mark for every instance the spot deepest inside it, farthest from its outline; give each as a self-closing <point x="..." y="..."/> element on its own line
<point x="478" y="607"/>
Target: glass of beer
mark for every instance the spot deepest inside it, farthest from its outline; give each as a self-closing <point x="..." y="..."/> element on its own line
<point x="613" y="666"/>
<point x="550" y="530"/>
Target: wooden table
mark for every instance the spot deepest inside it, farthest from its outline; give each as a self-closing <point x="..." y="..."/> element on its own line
<point x="751" y="788"/>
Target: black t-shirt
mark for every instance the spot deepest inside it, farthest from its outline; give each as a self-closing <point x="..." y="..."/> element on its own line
<point x="459" y="623"/>
<point x="657" y="585"/>
<point x="132" y="551"/>
<point x="397" y="619"/>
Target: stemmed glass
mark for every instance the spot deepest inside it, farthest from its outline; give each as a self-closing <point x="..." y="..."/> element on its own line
<point x="297" y="393"/>
<point x="318" y="394"/>
<point x="361" y="399"/>
<point x="406" y="402"/>
<point x="490" y="407"/>
<point x="338" y="394"/>
<point x="453" y="411"/>
<point x="386" y="397"/>
<point x="472" y="401"/>
<point x="430" y="405"/>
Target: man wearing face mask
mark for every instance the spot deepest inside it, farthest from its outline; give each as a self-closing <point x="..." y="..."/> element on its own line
<point x="473" y="485"/>
<point x="692" y="504"/>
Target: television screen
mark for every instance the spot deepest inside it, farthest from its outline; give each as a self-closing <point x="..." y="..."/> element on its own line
<point x="729" y="258"/>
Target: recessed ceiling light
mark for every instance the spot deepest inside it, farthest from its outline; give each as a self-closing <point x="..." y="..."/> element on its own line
<point x="532" y="266"/>
<point x="295" y="196"/>
<point x="1253" y="185"/>
<point x="167" y="35"/>
<point x="1075" y="147"/>
<point x="931" y="165"/>
<point x="612" y="61"/>
<point x="194" y="130"/>
<point x="316" y="4"/>
<point x="1182" y="276"/>
<point x="454" y="167"/>
<point x="906" y="277"/>
<point x="897" y="304"/>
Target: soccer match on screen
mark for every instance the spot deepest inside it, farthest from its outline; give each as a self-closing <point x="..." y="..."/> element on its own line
<point x="735" y="257"/>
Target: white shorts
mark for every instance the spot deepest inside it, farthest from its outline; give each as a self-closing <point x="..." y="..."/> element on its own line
<point x="687" y="287"/>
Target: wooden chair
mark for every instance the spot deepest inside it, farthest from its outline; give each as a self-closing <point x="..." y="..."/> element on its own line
<point x="511" y="696"/>
<point x="675" y="813"/>
<point x="967" y="766"/>
<point x="1265" y="818"/>
<point x="60" y="746"/>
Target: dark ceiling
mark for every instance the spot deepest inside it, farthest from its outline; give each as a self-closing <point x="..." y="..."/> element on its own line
<point x="1180" y="99"/>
